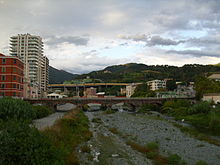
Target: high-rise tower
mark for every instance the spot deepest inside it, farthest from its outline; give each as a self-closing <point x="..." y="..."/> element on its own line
<point x="29" y="48"/>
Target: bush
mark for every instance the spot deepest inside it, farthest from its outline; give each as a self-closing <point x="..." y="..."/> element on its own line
<point x="152" y="146"/>
<point x="24" y="145"/>
<point x="214" y="123"/>
<point x="202" y="107"/>
<point x="152" y="154"/>
<point x="16" y="109"/>
<point x="68" y="132"/>
<point x="175" y="160"/>
<point x="42" y="111"/>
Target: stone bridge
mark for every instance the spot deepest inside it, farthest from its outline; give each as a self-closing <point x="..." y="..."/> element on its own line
<point x="134" y="102"/>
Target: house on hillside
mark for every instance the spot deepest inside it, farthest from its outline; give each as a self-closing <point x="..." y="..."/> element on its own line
<point x="215" y="97"/>
<point x="215" y="77"/>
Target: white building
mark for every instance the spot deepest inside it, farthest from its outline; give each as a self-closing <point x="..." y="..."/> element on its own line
<point x="29" y="48"/>
<point x="130" y="89"/>
<point x="156" y="84"/>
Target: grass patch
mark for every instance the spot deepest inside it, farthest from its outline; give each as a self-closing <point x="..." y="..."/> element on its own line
<point x="68" y="132"/>
<point x="151" y="150"/>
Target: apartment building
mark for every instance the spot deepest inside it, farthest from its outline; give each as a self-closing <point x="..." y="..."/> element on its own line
<point x="11" y="76"/>
<point x="29" y="48"/>
<point x="156" y="84"/>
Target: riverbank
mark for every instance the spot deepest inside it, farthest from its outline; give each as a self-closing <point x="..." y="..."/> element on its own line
<point x="142" y="129"/>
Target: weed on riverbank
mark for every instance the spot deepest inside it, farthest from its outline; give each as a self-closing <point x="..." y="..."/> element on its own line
<point x="68" y="132"/>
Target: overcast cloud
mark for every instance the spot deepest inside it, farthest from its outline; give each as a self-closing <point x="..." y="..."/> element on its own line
<point x="84" y="35"/>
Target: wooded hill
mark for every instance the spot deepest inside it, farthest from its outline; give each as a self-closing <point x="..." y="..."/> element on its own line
<point x="134" y="72"/>
<point x="59" y="76"/>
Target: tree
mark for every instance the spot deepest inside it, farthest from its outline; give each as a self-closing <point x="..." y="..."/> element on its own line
<point x="171" y="85"/>
<point x="205" y="85"/>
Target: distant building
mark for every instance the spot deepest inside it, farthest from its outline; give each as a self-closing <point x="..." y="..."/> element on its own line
<point x="215" y="97"/>
<point x="90" y="92"/>
<point x="130" y="89"/>
<point x="55" y="96"/>
<point x="215" y="77"/>
<point x="156" y="84"/>
<point x="186" y="91"/>
<point x="29" y="48"/>
<point x="11" y="76"/>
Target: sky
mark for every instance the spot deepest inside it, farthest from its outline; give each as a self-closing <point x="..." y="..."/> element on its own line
<point x="85" y="35"/>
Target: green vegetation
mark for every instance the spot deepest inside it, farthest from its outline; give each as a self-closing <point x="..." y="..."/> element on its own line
<point x="21" y="143"/>
<point x="67" y="133"/>
<point x="16" y="110"/>
<point x="24" y="145"/>
<point x="151" y="150"/>
<point x="201" y="115"/>
<point x="201" y="163"/>
<point x="205" y="85"/>
<point x="109" y="111"/>
<point x="148" y="107"/>
<point x="97" y="120"/>
<point x="143" y="90"/>
<point x="42" y="111"/>
<point x="133" y="72"/>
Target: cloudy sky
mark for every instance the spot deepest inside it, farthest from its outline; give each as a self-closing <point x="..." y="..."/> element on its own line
<point x="85" y="35"/>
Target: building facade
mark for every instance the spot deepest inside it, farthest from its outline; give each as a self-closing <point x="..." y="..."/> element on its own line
<point x="130" y="89"/>
<point x="156" y="84"/>
<point x="11" y="76"/>
<point x="29" y="48"/>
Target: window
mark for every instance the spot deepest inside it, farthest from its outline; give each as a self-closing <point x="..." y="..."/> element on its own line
<point x="14" y="70"/>
<point x="3" y="69"/>
<point x="14" y="77"/>
<point x="2" y="94"/>
<point x="14" y="85"/>
<point x="3" y="61"/>
<point x="15" y="61"/>
<point x="14" y="94"/>
<point x="3" y="78"/>
<point x="3" y="86"/>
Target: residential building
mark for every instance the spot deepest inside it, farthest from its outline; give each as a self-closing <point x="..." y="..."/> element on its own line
<point x="45" y="75"/>
<point x="215" y="77"/>
<point x="29" y="48"/>
<point x="90" y="92"/>
<point x="156" y="84"/>
<point x="130" y="89"/>
<point x="11" y="76"/>
<point x="212" y="97"/>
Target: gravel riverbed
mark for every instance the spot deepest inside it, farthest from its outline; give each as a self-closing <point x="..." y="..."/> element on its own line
<point x="142" y="129"/>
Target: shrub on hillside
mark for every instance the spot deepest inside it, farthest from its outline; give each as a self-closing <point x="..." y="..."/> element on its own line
<point x="42" y="111"/>
<point x="24" y="145"/>
<point x="16" y="109"/>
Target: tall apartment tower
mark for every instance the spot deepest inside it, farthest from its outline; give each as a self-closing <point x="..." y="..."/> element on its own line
<point x="29" y="48"/>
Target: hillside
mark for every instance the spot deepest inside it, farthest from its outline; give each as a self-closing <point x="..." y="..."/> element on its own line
<point x="133" y="72"/>
<point x="59" y="76"/>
